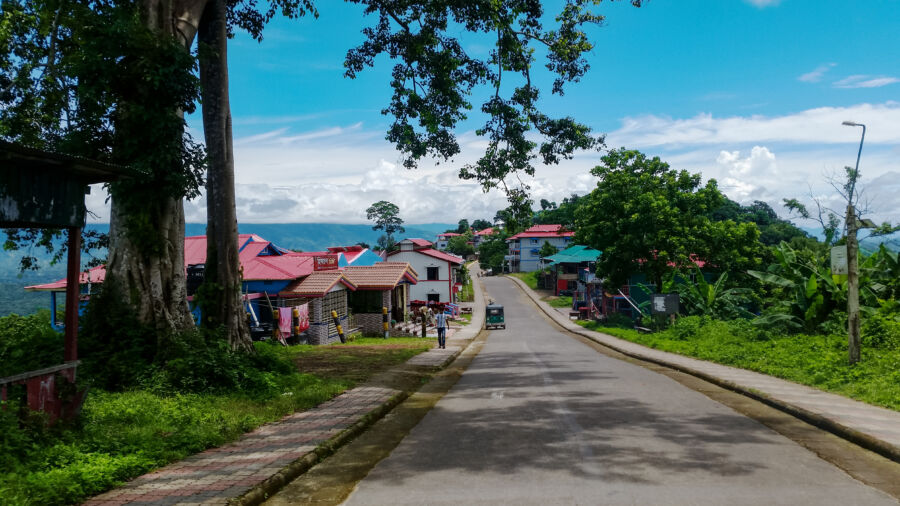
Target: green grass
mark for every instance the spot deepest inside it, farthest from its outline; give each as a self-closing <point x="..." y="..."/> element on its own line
<point x="123" y="435"/>
<point x="563" y="301"/>
<point x="464" y="319"/>
<point x="816" y="360"/>
<point x="530" y="278"/>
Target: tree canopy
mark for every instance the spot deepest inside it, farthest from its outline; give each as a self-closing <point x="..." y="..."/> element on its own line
<point x="461" y="245"/>
<point x="646" y="217"/>
<point x="386" y="217"/>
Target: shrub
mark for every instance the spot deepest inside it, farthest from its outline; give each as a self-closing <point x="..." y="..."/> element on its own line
<point x="882" y="329"/>
<point x="28" y="343"/>
<point x="200" y="361"/>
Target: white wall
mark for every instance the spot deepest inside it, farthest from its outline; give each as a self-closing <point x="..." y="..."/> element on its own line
<point x="420" y="263"/>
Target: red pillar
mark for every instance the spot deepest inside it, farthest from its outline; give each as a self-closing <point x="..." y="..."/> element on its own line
<point x="73" y="273"/>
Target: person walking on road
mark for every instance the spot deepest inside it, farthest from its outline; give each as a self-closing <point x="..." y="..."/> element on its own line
<point x="440" y="321"/>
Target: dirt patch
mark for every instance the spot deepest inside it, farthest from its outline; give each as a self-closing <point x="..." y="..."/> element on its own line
<point x="355" y="363"/>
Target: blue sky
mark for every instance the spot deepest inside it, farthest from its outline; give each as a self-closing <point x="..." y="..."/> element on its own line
<point x="750" y="92"/>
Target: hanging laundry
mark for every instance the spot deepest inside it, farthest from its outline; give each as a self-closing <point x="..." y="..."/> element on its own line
<point x="284" y="321"/>
<point x="303" y="313"/>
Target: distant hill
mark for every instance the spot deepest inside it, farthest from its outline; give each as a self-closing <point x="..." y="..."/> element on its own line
<point x="891" y="242"/>
<point x="297" y="236"/>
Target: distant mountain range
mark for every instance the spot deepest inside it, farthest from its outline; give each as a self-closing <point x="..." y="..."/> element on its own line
<point x="296" y="236"/>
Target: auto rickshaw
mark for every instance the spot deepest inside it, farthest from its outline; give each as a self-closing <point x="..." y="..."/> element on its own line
<point x="494" y="316"/>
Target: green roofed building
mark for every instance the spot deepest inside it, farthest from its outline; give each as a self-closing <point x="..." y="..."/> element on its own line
<point x="570" y="264"/>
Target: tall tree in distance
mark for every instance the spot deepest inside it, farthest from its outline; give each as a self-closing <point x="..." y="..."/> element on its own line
<point x="646" y="217"/>
<point x="386" y="217"/>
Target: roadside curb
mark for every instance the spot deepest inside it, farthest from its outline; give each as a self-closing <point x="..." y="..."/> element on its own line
<point x="264" y="490"/>
<point x="857" y="437"/>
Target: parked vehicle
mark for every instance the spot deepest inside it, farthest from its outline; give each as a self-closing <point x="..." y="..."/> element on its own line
<point x="494" y="316"/>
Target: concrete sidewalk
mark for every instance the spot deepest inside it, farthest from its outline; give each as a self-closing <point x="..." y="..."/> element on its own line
<point x="872" y="427"/>
<point x="261" y="462"/>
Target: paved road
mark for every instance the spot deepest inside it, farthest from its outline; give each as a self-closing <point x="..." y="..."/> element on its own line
<point x="540" y="418"/>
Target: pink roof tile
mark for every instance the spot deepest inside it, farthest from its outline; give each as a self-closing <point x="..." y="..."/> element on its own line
<point x="381" y="276"/>
<point x="316" y="284"/>
<point x="543" y="231"/>
<point x="487" y="231"/>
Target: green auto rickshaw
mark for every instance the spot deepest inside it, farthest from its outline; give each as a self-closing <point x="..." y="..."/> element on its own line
<point x="494" y="316"/>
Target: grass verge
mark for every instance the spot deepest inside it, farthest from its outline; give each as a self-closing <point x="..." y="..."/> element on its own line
<point x="530" y="278"/>
<point x="121" y="435"/>
<point x="816" y="360"/>
<point x="562" y="301"/>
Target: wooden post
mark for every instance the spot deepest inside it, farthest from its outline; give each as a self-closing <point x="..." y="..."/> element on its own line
<point x="384" y="321"/>
<point x="73" y="275"/>
<point x="852" y="287"/>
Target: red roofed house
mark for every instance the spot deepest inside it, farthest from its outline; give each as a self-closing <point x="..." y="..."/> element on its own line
<point x="443" y="240"/>
<point x="436" y="270"/>
<point x="524" y="247"/>
<point x="268" y="271"/>
<point x="481" y="235"/>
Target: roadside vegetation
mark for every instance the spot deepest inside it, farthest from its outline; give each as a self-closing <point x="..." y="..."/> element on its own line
<point x="755" y="291"/>
<point x="817" y="360"/>
<point x="530" y="278"/>
<point x="205" y="396"/>
<point x="559" y="301"/>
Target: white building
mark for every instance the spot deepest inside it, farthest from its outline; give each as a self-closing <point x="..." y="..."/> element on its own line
<point x="524" y="247"/>
<point x="436" y="270"/>
<point x="443" y="240"/>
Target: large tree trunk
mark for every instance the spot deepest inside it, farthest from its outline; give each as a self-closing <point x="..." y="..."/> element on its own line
<point x="222" y="305"/>
<point x="154" y="282"/>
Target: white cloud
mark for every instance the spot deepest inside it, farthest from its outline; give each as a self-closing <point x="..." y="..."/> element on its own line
<point x="865" y="81"/>
<point x="817" y="74"/>
<point x="813" y="126"/>
<point x="762" y="3"/>
<point x="334" y="174"/>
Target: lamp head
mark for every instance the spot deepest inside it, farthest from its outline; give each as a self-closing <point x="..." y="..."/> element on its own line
<point x="851" y="123"/>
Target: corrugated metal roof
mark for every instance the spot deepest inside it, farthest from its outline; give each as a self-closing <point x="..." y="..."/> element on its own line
<point x="95" y="275"/>
<point x="575" y="254"/>
<point x="421" y="243"/>
<point x="268" y="267"/>
<point x="543" y="231"/>
<point x="447" y="257"/>
<point x="487" y="231"/>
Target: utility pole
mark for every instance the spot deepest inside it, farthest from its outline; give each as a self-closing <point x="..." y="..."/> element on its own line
<point x="853" y="323"/>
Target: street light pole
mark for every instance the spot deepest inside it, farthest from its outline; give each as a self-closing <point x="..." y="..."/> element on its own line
<point x="853" y="322"/>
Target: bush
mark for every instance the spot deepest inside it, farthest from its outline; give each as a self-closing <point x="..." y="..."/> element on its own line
<point x="619" y="320"/>
<point x="28" y="343"/>
<point x="200" y="361"/>
<point x="882" y="329"/>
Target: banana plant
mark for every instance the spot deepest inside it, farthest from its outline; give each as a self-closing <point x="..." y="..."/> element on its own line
<point x="713" y="299"/>
<point x="806" y="291"/>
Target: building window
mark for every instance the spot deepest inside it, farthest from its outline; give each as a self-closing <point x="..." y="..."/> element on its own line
<point x="434" y="297"/>
<point x="534" y="241"/>
<point x="431" y="274"/>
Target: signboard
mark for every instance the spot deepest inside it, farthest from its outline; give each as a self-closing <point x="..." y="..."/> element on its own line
<point x="839" y="260"/>
<point x="325" y="263"/>
<point x="664" y="303"/>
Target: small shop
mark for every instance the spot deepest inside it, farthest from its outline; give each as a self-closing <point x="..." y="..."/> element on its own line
<point x="318" y="294"/>
<point x="383" y="285"/>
